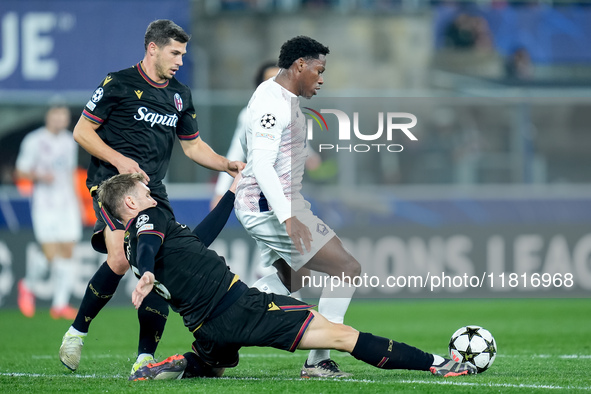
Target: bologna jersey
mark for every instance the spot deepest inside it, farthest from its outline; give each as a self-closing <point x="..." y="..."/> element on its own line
<point x="139" y="118"/>
<point x="192" y="278"/>
<point x="274" y="122"/>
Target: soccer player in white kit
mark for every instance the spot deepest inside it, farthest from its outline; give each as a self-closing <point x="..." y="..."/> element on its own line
<point x="266" y="71"/>
<point x="48" y="156"/>
<point x="235" y="152"/>
<point x="268" y="200"/>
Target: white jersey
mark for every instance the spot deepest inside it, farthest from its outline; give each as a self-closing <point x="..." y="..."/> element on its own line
<point x="43" y="152"/>
<point x="274" y="125"/>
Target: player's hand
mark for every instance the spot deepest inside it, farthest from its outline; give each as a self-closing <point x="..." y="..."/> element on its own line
<point x="46" y="178"/>
<point x="299" y="233"/>
<point x="234" y="167"/>
<point x="216" y="198"/>
<point x="143" y="288"/>
<point x="125" y="165"/>
<point x="234" y="184"/>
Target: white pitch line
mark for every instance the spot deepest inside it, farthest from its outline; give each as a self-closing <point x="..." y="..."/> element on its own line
<point x="55" y="356"/>
<point x="94" y="356"/>
<point x="296" y="355"/>
<point x="424" y="382"/>
<point x="559" y="356"/>
<point x="65" y="375"/>
<point x="496" y="385"/>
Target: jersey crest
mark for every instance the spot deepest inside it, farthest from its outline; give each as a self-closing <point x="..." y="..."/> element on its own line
<point x="178" y="102"/>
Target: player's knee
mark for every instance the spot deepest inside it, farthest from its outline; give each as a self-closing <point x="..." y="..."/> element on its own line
<point x="345" y="337"/>
<point x="118" y="262"/>
<point x="351" y="267"/>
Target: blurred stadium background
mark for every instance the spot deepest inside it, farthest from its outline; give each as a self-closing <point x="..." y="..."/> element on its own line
<point x="498" y="180"/>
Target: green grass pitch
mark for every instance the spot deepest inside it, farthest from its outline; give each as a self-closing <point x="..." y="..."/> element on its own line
<point x="544" y="345"/>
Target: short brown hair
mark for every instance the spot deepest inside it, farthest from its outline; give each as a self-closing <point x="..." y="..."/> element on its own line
<point x="112" y="191"/>
<point x="161" y="31"/>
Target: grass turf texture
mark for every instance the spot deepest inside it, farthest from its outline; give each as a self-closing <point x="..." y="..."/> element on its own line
<point x="544" y="345"/>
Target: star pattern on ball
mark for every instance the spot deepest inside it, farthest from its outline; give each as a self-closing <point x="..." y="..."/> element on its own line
<point x="471" y="332"/>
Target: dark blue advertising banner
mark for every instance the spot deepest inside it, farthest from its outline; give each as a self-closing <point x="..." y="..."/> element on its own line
<point x="63" y="45"/>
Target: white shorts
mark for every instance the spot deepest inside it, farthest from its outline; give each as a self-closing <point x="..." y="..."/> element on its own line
<point x="273" y="241"/>
<point x="57" y="226"/>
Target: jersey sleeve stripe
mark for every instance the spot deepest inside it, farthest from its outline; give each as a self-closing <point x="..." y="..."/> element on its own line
<point x="189" y="137"/>
<point x="288" y="308"/>
<point x="107" y="219"/>
<point x="158" y="233"/>
<point x="301" y="333"/>
<point x="91" y="117"/>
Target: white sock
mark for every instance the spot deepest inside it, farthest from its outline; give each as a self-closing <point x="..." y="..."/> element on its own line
<point x="73" y="331"/>
<point x="317" y="355"/>
<point x="332" y="305"/>
<point x="437" y="360"/>
<point x="271" y="284"/>
<point x="36" y="269"/>
<point x="62" y="272"/>
<point x="141" y="357"/>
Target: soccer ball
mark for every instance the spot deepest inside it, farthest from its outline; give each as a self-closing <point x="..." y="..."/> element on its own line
<point x="475" y="345"/>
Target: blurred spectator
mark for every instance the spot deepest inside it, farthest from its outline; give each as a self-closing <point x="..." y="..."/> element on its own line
<point x="48" y="158"/>
<point x="518" y="65"/>
<point x="468" y="31"/>
<point x="237" y="5"/>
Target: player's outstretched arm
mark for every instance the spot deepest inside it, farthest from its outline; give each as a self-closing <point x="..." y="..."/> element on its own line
<point x="147" y="248"/>
<point x="85" y="134"/>
<point x="202" y="154"/>
<point x="211" y="226"/>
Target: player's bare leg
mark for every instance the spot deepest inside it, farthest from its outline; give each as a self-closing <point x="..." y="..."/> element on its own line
<point x="377" y="351"/>
<point x="334" y="260"/>
<point x="323" y="334"/>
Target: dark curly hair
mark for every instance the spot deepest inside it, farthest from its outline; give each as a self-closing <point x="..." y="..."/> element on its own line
<point x="161" y="31"/>
<point x="300" y="47"/>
